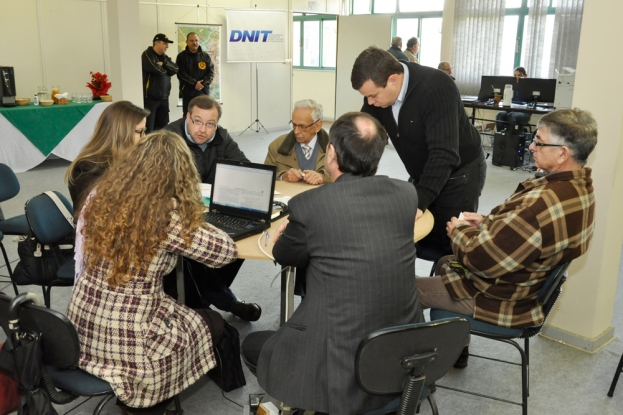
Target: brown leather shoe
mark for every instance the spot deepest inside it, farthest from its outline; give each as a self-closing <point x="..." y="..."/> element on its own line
<point x="247" y="311"/>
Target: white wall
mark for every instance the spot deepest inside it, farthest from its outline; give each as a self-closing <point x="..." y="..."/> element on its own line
<point x="52" y="42"/>
<point x="316" y="85"/>
<point x="58" y="42"/>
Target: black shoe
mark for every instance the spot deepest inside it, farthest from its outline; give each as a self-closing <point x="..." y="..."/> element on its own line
<point x="247" y="311"/>
<point x="461" y="362"/>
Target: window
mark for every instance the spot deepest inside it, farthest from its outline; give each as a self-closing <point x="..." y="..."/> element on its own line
<point x="515" y="27"/>
<point x="314" y="41"/>
<point x="420" y="18"/>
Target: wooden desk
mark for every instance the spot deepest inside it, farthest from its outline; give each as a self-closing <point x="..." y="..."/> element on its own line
<point x="248" y="248"/>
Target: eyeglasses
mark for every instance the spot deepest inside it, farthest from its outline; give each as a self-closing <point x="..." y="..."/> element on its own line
<point x="208" y="125"/>
<point x="301" y="127"/>
<point x="141" y="132"/>
<point x="536" y="143"/>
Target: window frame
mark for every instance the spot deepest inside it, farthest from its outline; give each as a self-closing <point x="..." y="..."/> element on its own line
<point x="403" y="15"/>
<point x="314" y="17"/>
<point x="523" y="11"/>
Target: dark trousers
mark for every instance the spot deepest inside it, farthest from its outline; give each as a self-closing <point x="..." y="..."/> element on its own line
<point x="159" y="116"/>
<point x="460" y="194"/>
<point x="210" y="284"/>
<point x="504" y="119"/>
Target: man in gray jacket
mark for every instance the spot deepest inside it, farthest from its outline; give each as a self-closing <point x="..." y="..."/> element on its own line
<point x="355" y="237"/>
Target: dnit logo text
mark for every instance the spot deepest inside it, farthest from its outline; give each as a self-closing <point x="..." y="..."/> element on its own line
<point x="249" y="36"/>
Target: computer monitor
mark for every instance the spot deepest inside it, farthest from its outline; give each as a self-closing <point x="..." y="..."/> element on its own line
<point x="545" y="89"/>
<point x="488" y="83"/>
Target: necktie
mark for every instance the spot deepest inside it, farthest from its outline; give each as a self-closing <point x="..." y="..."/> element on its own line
<point x="307" y="150"/>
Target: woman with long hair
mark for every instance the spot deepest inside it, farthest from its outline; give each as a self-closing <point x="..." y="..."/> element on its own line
<point x="119" y="128"/>
<point x="141" y="215"/>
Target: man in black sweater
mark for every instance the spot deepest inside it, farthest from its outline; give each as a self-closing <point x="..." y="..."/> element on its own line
<point x="196" y="71"/>
<point x="421" y="110"/>
<point x="208" y="142"/>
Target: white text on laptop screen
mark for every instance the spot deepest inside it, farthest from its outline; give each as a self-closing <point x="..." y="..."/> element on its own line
<point x="242" y="187"/>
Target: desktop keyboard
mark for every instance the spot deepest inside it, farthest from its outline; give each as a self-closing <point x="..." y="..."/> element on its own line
<point x="229" y="221"/>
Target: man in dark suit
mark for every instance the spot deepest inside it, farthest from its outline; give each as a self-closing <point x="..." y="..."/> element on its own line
<point x="355" y="237"/>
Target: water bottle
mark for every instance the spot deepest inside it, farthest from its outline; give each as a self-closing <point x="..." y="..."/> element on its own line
<point x="36" y="100"/>
<point x="508" y="95"/>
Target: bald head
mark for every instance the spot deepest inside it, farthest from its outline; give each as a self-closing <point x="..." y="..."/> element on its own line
<point x="358" y="141"/>
<point x="445" y="66"/>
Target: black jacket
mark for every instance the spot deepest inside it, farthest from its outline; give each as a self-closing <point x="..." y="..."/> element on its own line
<point x="222" y="147"/>
<point x="156" y="78"/>
<point x="398" y="54"/>
<point x="434" y="136"/>
<point x="192" y="68"/>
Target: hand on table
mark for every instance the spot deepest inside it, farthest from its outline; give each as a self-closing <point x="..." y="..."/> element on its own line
<point x="418" y="214"/>
<point x="313" y="177"/>
<point x="292" y="176"/>
<point x="280" y="230"/>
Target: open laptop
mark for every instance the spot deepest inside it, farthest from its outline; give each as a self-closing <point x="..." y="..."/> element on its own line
<point x="242" y="198"/>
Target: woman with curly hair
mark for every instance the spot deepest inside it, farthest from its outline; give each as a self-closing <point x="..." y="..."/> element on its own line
<point x="119" y="128"/>
<point x="141" y="215"/>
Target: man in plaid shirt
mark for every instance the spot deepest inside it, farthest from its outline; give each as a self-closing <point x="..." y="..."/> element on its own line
<point x="501" y="260"/>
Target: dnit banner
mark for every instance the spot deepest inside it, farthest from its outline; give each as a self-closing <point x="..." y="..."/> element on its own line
<point x="256" y="35"/>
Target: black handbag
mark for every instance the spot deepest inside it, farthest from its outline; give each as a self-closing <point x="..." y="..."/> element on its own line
<point x="38" y="262"/>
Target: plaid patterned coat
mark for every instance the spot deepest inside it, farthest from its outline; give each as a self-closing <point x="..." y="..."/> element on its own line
<point x="137" y="338"/>
<point x="504" y="262"/>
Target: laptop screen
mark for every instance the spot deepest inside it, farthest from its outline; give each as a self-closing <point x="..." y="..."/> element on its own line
<point x="243" y="187"/>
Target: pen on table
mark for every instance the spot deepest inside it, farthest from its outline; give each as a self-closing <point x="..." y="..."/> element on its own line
<point x="301" y="171"/>
<point x="267" y="236"/>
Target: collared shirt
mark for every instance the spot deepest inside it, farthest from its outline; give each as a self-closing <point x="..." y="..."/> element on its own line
<point x="311" y="144"/>
<point x="189" y="138"/>
<point x="403" y="91"/>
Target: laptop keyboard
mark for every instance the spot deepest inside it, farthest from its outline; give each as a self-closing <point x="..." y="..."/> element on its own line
<point x="229" y="221"/>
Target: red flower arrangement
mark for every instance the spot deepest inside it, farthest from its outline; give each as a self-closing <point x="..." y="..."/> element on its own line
<point x="99" y="84"/>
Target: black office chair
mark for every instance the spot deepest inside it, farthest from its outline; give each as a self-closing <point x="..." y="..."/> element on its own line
<point x="17" y="225"/>
<point x="616" y="377"/>
<point x="547" y="298"/>
<point x="408" y="359"/>
<point x="61" y="351"/>
<point x="50" y="227"/>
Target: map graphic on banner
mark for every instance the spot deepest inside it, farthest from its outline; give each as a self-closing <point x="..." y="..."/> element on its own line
<point x="210" y="42"/>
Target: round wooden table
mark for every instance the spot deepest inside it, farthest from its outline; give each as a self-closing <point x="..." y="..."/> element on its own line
<point x="249" y="248"/>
